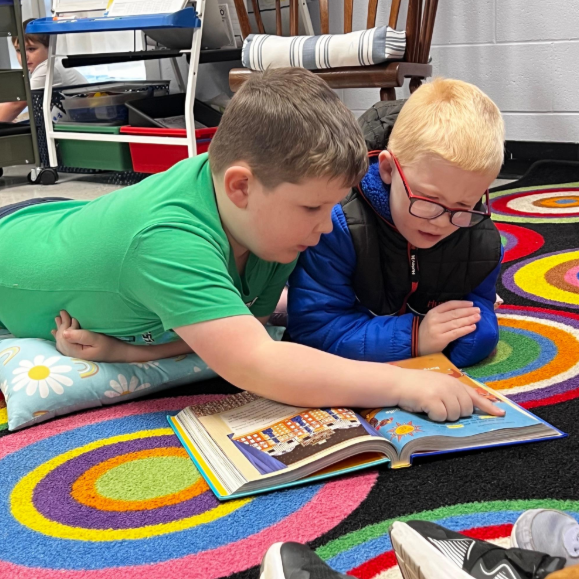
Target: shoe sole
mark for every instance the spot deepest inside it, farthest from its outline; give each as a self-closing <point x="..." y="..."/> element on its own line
<point x="418" y="559"/>
<point x="271" y="565"/>
<point x="524" y="520"/>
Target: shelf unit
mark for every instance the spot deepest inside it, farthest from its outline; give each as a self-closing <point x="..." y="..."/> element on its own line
<point x="186" y="18"/>
<point x="18" y="145"/>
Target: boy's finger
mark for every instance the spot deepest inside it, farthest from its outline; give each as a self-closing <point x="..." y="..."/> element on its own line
<point x="466" y="404"/>
<point x="458" y="333"/>
<point x="453" y="409"/>
<point x="485" y="405"/>
<point x="452" y="305"/>
<point x="58" y="322"/>
<point x="436" y="411"/>
<point x="65" y="318"/>
<point x="458" y="314"/>
<point x="459" y="323"/>
<point x="81" y="337"/>
<point x="53" y="332"/>
<point x="74" y="325"/>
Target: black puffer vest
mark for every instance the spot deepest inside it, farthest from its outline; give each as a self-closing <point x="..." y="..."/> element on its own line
<point x="392" y="277"/>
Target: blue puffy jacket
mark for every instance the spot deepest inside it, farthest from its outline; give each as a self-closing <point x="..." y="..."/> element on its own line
<point x="324" y="312"/>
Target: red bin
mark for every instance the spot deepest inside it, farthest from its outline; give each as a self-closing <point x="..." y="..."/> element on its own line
<point x="152" y="158"/>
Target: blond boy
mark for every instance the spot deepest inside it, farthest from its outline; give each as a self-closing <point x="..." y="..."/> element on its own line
<point x="411" y="265"/>
<point x="204" y="251"/>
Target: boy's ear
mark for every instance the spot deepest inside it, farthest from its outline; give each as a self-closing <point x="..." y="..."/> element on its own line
<point x="385" y="166"/>
<point x="237" y="181"/>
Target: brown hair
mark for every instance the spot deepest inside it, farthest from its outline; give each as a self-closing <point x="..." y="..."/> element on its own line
<point x="288" y="125"/>
<point x="28" y="38"/>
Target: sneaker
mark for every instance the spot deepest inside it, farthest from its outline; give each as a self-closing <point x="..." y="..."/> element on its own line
<point x="295" y="561"/>
<point x="550" y="531"/>
<point x="428" y="551"/>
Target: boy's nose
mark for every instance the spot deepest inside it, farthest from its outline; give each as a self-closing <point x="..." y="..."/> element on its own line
<point x="325" y="226"/>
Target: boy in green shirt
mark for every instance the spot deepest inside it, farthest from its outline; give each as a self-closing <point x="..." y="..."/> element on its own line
<point x="203" y="251"/>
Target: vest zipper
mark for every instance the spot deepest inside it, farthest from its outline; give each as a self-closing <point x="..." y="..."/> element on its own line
<point x="414" y="278"/>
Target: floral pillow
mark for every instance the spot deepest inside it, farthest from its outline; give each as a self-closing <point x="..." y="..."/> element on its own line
<point x="39" y="383"/>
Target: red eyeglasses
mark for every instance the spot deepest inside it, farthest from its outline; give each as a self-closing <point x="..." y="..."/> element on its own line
<point x="428" y="209"/>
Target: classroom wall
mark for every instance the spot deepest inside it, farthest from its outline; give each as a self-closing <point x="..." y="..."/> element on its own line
<point x="522" y="53"/>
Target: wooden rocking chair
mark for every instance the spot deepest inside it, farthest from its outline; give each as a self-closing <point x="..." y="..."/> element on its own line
<point x="388" y="76"/>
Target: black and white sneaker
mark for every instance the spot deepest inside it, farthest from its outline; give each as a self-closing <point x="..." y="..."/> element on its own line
<point x="428" y="551"/>
<point x="295" y="561"/>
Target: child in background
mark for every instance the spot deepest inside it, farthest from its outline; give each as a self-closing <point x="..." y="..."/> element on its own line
<point x="411" y="265"/>
<point x="36" y="61"/>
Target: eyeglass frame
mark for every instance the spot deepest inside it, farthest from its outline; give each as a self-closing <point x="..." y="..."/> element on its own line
<point x="413" y="198"/>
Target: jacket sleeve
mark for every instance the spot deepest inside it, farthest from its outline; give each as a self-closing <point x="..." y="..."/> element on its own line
<point x="479" y="344"/>
<point x="324" y="312"/>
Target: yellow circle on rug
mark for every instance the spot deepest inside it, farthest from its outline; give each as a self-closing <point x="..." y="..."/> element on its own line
<point x="532" y="278"/>
<point x="25" y="512"/>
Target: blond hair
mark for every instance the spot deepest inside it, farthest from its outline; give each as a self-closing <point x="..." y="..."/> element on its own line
<point x="288" y="125"/>
<point x="454" y="120"/>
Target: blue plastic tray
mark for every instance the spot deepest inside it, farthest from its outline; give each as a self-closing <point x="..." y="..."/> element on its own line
<point x="186" y="18"/>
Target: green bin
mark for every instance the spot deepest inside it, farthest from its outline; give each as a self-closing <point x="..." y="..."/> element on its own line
<point x="93" y="154"/>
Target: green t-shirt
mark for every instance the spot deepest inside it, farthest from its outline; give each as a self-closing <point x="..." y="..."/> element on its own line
<point x="133" y="264"/>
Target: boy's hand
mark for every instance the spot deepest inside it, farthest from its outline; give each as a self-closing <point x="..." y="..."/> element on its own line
<point x="76" y="343"/>
<point x="446" y="323"/>
<point x="440" y="396"/>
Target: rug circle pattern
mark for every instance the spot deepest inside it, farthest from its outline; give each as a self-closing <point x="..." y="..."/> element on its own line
<point x="367" y="553"/>
<point x="552" y="278"/>
<point x="518" y="241"/>
<point x="556" y="204"/>
<point x="537" y="359"/>
<point x="112" y="493"/>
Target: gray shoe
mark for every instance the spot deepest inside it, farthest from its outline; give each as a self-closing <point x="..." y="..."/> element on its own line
<point x="549" y="531"/>
<point x="295" y="561"/>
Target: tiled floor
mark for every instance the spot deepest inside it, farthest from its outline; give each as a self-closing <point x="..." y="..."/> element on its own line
<point x="15" y="187"/>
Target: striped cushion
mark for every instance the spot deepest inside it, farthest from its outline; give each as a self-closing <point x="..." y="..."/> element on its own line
<point x="360" y="48"/>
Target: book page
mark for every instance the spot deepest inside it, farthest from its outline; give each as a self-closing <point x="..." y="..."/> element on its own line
<point x="401" y="427"/>
<point x="257" y="415"/>
<point x="269" y="436"/>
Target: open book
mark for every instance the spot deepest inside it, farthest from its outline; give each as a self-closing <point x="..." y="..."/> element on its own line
<point x="244" y="444"/>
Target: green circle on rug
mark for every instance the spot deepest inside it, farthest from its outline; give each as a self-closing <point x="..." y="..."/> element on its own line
<point x="147" y="478"/>
<point x="525" y="349"/>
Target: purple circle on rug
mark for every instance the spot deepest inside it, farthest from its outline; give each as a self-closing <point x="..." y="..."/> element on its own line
<point x="52" y="495"/>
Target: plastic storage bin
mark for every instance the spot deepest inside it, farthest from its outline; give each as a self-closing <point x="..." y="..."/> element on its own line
<point x="106" y="107"/>
<point x="93" y="154"/>
<point x="60" y="93"/>
<point x="100" y="108"/>
<point x="157" y="158"/>
<point x="146" y="112"/>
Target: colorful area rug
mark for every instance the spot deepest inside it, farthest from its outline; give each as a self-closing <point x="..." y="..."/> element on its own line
<point x="110" y="493"/>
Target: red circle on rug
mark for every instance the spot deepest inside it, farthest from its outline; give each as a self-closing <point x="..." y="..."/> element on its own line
<point x="500" y="204"/>
<point x="384" y="562"/>
<point x="520" y="241"/>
